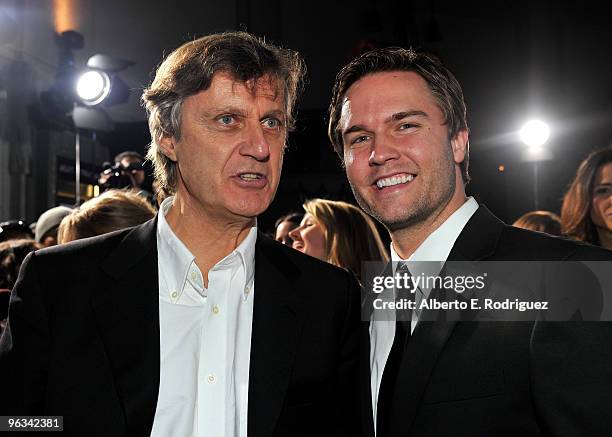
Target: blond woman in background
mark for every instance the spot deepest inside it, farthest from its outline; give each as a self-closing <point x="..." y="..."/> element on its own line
<point x="338" y="233"/>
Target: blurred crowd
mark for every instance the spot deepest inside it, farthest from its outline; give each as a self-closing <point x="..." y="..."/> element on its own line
<point x="332" y="231"/>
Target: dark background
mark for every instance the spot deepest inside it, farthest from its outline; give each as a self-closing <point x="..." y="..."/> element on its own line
<point x="516" y="60"/>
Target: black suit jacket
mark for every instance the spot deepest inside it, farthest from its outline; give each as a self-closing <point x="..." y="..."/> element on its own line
<point x="83" y="340"/>
<point x="462" y="378"/>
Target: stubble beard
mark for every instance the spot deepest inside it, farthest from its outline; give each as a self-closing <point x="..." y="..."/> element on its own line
<point x="422" y="210"/>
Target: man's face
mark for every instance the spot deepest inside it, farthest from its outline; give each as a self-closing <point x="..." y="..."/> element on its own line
<point x="401" y="165"/>
<point x="230" y="153"/>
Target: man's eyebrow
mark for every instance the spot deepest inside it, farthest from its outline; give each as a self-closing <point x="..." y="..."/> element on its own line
<point x="213" y="112"/>
<point x="405" y="114"/>
<point x="394" y="117"/>
<point x="354" y="128"/>
<point x="278" y="113"/>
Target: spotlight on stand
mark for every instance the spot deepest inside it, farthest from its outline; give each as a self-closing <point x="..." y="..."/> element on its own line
<point x="76" y="97"/>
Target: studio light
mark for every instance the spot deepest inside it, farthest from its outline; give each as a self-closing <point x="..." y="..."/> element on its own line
<point x="535" y="133"/>
<point x="93" y="86"/>
<point x="83" y="93"/>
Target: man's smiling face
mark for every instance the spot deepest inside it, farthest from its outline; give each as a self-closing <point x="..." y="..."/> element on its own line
<point x="399" y="160"/>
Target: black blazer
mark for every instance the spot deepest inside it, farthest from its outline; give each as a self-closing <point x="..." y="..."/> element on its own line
<point x="502" y="378"/>
<point x="83" y="340"/>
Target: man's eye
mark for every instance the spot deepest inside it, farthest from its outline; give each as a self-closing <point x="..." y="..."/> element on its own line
<point x="227" y="119"/>
<point x="405" y="126"/>
<point x="360" y="139"/>
<point x="272" y="123"/>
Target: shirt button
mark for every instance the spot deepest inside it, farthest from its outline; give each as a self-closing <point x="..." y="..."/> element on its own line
<point x="215" y="309"/>
<point x="211" y="379"/>
<point x="193" y="276"/>
<point x="247" y="289"/>
<point x="174" y="294"/>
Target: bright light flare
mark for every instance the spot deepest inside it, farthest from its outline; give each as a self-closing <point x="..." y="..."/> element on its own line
<point x="535" y="133"/>
<point x="93" y="87"/>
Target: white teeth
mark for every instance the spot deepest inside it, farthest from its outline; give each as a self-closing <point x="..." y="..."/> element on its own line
<point x="394" y="180"/>
<point x="250" y="176"/>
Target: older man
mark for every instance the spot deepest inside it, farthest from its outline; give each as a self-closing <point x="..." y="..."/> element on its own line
<point x="398" y="122"/>
<point x="195" y="323"/>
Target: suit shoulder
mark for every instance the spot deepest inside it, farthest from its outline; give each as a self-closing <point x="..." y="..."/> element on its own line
<point x="93" y="248"/>
<point x="532" y="245"/>
<point x="309" y="268"/>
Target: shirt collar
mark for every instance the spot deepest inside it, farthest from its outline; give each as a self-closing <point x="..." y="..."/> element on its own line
<point x="178" y="259"/>
<point x="245" y="253"/>
<point x="437" y="245"/>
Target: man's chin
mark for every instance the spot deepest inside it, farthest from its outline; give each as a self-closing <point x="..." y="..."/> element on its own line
<point x="250" y="210"/>
<point x="381" y="211"/>
<point x="395" y="220"/>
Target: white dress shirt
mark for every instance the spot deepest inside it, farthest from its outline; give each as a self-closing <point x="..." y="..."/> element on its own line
<point x="205" y="338"/>
<point x="436" y="247"/>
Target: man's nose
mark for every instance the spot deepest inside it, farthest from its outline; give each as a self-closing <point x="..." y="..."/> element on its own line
<point x="382" y="150"/>
<point x="256" y="144"/>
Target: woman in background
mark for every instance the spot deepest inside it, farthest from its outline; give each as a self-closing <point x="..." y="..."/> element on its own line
<point x="586" y="214"/>
<point x="286" y="224"/>
<point x="339" y="233"/>
<point x="541" y="221"/>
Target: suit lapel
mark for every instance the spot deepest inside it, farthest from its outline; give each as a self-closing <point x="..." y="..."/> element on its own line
<point x="477" y="241"/>
<point x="276" y="326"/>
<point x="127" y="311"/>
<point x="479" y="238"/>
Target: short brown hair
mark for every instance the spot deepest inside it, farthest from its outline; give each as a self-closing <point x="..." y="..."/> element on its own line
<point x="440" y="80"/>
<point x="576" y="210"/>
<point x="351" y="236"/>
<point x="111" y="211"/>
<point x="190" y="69"/>
<point x="541" y="221"/>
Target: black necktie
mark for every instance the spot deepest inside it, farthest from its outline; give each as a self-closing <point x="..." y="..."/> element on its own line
<point x="389" y="378"/>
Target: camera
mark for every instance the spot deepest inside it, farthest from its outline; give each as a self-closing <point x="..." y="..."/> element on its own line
<point x="118" y="176"/>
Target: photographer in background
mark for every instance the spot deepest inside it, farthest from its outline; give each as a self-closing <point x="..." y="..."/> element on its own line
<point x="126" y="172"/>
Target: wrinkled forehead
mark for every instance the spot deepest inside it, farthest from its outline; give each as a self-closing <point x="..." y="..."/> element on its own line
<point x="269" y="86"/>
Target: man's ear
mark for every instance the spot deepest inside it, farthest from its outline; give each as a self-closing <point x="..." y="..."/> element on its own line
<point x="166" y="146"/>
<point x="459" y="144"/>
